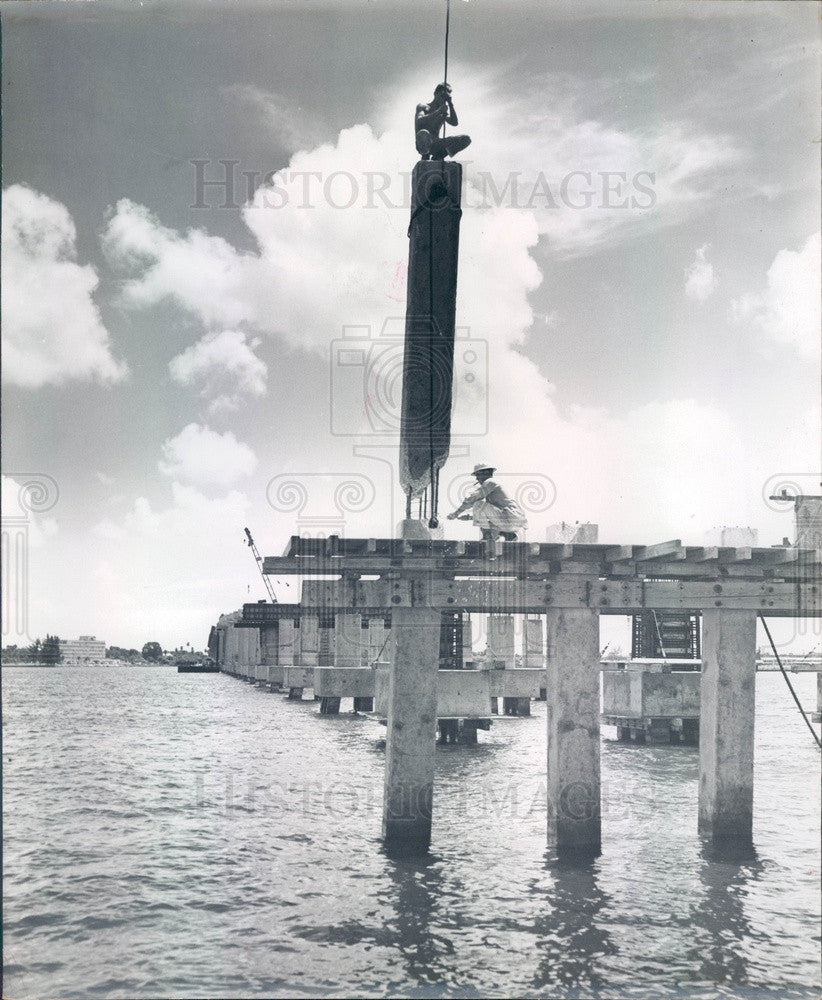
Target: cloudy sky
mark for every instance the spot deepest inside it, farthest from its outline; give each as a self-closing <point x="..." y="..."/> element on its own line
<point x="638" y="288"/>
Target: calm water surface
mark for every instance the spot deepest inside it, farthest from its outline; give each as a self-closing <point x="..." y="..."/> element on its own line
<point x="190" y="835"/>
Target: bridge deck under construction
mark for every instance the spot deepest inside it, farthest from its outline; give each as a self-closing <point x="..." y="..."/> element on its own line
<point x="373" y="574"/>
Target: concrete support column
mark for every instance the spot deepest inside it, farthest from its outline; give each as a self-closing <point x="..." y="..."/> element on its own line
<point x="243" y="649"/>
<point x="348" y="640"/>
<point x="659" y="731"/>
<point x="501" y="647"/>
<point x="232" y="651"/>
<point x="726" y="725"/>
<point x="534" y="643"/>
<point x="326" y="645"/>
<point x="269" y="650"/>
<point x="254" y="649"/>
<point x="543" y="691"/>
<point x="533" y="655"/>
<point x="288" y="651"/>
<point x="286" y="643"/>
<point x="252" y="645"/>
<point x="467" y="641"/>
<point x="270" y="655"/>
<point x="412" y="728"/>
<point x="501" y="639"/>
<point x="378" y="650"/>
<point x="309" y="640"/>
<point x="468" y="732"/>
<point x="377" y="641"/>
<point x="574" y="820"/>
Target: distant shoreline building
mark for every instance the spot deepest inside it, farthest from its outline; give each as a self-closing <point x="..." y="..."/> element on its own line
<point x="86" y="650"/>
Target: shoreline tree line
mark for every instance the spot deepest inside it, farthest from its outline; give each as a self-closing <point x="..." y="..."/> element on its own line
<point x="47" y="651"/>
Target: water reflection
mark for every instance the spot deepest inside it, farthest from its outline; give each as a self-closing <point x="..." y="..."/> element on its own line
<point x="416" y="897"/>
<point x="571" y="938"/>
<point x="296" y="895"/>
<point x="721" y="927"/>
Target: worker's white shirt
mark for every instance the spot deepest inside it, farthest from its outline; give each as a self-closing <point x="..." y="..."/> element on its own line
<point x="493" y="508"/>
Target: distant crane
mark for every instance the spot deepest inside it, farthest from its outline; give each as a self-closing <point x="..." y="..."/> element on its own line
<point x="259" y="560"/>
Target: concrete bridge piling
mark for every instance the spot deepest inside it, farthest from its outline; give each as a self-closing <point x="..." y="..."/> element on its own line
<point x="574" y="821"/>
<point x="421" y="583"/>
<point x="726" y="750"/>
<point x="412" y="726"/>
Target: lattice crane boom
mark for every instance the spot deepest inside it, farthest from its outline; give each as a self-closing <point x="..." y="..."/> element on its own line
<point x="259" y="560"/>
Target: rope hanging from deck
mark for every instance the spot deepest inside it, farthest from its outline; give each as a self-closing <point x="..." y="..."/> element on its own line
<point x="788" y="681"/>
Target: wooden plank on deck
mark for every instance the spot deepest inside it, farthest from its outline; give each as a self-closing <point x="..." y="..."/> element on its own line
<point x="619" y="553"/>
<point x="735" y="555"/>
<point x="671" y="550"/>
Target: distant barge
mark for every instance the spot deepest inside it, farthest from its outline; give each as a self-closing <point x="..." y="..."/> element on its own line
<point x="200" y="667"/>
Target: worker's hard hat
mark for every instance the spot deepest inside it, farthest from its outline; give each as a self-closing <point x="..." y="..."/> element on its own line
<point x="484" y="468"/>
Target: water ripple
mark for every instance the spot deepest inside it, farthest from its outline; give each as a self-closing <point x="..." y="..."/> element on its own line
<point x="150" y="817"/>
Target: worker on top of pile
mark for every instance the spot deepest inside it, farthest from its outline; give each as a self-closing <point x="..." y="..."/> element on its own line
<point x="428" y="121"/>
<point x="494" y="512"/>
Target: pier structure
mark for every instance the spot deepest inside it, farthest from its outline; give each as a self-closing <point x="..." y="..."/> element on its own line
<point x="570" y="587"/>
<point x="237" y="650"/>
<point x="501" y="652"/>
<point x="357" y="669"/>
<point x="652" y="700"/>
<point x="300" y="650"/>
<point x="647" y="700"/>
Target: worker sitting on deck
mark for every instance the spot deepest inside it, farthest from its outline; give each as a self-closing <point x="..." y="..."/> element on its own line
<point x="428" y="121"/>
<point x="494" y="512"/>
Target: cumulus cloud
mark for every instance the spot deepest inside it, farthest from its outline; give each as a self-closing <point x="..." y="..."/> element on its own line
<point x="224" y="366"/>
<point x="330" y="227"/>
<point x="202" y="457"/>
<point x="699" y="276"/>
<point x="286" y="123"/>
<point x="585" y="180"/>
<point x="52" y="329"/>
<point x="788" y="310"/>
<point x="205" y="274"/>
<point x="183" y="537"/>
<point x="322" y="266"/>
